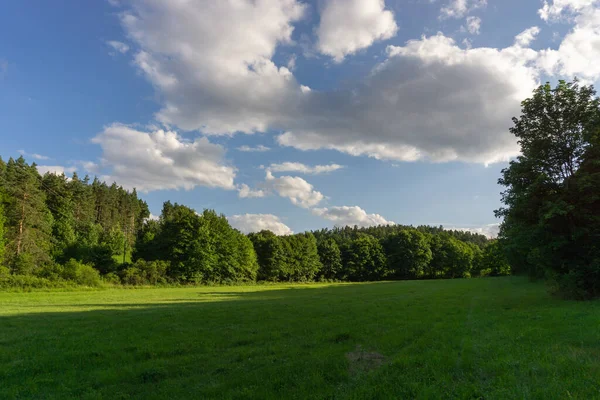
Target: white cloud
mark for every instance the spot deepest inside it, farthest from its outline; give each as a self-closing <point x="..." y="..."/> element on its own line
<point x="55" y="169"/>
<point x="259" y="148"/>
<point x="460" y="8"/>
<point x="161" y="159"/>
<point x="153" y="217"/>
<point x="350" y="216"/>
<point x="474" y="25"/>
<point x="559" y="8"/>
<point x="33" y="155"/>
<point x="347" y="26"/>
<point x="300" y="192"/>
<point x="302" y="168"/>
<point x="247" y="223"/>
<point x="491" y="230"/>
<point x="215" y="77"/>
<point x="430" y="100"/>
<point x="244" y="191"/>
<point x="579" y="52"/>
<point x="525" y="38"/>
<point x="118" y="46"/>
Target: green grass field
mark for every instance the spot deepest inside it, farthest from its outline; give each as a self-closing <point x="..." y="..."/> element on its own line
<point x="496" y="338"/>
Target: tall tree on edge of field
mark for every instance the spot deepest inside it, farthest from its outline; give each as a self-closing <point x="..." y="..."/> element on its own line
<point x="552" y="194"/>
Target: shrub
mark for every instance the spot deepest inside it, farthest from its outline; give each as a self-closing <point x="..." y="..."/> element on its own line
<point x="112" y="278"/>
<point x="26" y="282"/>
<point x="81" y="274"/>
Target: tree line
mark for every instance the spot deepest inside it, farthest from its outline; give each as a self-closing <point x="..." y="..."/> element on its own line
<point x="56" y="230"/>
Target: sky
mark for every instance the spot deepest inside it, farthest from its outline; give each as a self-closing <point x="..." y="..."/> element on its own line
<point x="288" y="115"/>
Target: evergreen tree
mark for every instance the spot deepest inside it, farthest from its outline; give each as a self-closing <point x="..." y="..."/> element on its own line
<point x="28" y="220"/>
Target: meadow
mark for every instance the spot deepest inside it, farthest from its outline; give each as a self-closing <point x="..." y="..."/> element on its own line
<point x="493" y="338"/>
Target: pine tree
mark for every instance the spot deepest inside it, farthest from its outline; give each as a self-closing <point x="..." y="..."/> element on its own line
<point x="29" y="221"/>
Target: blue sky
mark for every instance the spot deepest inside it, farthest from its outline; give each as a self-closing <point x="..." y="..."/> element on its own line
<point x="405" y="105"/>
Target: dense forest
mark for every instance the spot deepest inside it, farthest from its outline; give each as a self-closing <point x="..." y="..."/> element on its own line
<point x="57" y="230"/>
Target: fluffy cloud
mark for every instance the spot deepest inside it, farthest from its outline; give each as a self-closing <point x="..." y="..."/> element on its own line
<point x="347" y="26"/>
<point x="215" y="77"/>
<point x="430" y="100"/>
<point x="491" y="230"/>
<point x="560" y="7"/>
<point x="303" y="169"/>
<point x="118" y="46"/>
<point x="244" y="191"/>
<point x="162" y="160"/>
<point x="247" y="223"/>
<point x="300" y="192"/>
<point x="350" y="216"/>
<point x="250" y="149"/>
<point x="525" y="38"/>
<point x="460" y="8"/>
<point x="579" y="52"/>
<point x="55" y="169"/>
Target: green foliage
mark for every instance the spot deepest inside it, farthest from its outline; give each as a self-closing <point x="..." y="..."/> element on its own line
<point x="270" y="255"/>
<point x="493" y="261"/>
<point x="408" y="254"/>
<point x="82" y="274"/>
<point x="364" y="259"/>
<point x="144" y="273"/>
<point x="331" y="258"/>
<point x="552" y="201"/>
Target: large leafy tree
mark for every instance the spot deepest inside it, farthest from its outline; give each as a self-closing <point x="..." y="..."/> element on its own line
<point x="364" y="259"/>
<point x="331" y="258"/>
<point x="270" y="255"/>
<point x="550" y="216"/>
<point x="408" y="254"/>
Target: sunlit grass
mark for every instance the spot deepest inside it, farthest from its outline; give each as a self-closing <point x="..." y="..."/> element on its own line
<point x="480" y="338"/>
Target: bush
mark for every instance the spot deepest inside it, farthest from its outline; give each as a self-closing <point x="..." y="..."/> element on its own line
<point x="112" y="278"/>
<point x="145" y="273"/>
<point x="31" y="282"/>
<point x="4" y="272"/>
<point x="81" y="274"/>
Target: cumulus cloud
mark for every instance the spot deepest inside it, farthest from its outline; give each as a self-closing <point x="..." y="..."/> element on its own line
<point x="350" y="216"/>
<point x="460" y="8"/>
<point x="430" y="100"/>
<point x="473" y="25"/>
<point x="247" y="223"/>
<point x="558" y="8"/>
<point x="118" y="46"/>
<point x="300" y="192"/>
<point x="491" y="230"/>
<point x="579" y="51"/>
<point x="250" y="149"/>
<point x="347" y="26"/>
<point x="244" y="191"/>
<point x="214" y="77"/>
<point x="303" y="169"/>
<point x="161" y="159"/>
<point x="525" y="38"/>
<point x="55" y="169"/>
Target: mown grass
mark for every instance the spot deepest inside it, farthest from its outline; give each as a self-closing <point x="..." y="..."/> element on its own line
<point x="496" y="338"/>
